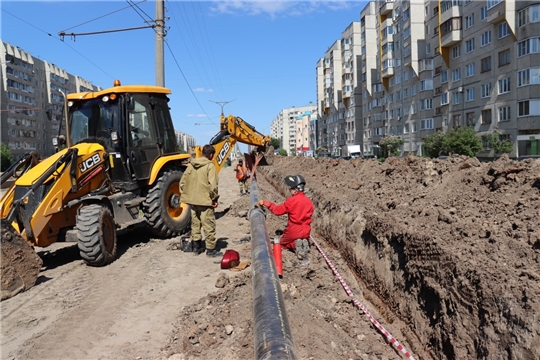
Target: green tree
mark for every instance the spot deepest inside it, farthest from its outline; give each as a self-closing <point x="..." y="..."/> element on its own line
<point x="462" y="141"/>
<point x="5" y="157"/>
<point x="434" y="144"/>
<point x="499" y="146"/>
<point x="390" y="145"/>
<point x="293" y="152"/>
<point x="275" y="143"/>
<point x="181" y="150"/>
<point x="282" y="152"/>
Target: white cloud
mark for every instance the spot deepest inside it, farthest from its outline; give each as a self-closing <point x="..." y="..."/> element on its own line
<point x="277" y="7"/>
<point x="201" y="89"/>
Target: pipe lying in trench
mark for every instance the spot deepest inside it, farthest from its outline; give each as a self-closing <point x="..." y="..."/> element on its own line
<point x="273" y="339"/>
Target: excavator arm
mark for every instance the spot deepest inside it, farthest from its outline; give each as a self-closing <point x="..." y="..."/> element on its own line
<point x="234" y="129"/>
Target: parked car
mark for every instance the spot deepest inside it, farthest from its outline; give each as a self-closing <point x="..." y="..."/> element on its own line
<point x="369" y="156"/>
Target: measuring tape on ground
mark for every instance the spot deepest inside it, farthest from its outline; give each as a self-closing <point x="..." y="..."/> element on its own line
<point x="379" y="327"/>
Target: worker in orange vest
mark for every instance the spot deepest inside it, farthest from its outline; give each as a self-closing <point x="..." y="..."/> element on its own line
<point x="242" y="175"/>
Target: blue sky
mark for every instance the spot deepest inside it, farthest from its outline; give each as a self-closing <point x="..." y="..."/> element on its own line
<point x="261" y="56"/>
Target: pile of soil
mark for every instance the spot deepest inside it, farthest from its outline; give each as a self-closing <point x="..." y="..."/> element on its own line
<point x="19" y="263"/>
<point x="444" y="253"/>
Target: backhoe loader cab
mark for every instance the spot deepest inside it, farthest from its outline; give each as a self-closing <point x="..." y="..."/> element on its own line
<point x="120" y="169"/>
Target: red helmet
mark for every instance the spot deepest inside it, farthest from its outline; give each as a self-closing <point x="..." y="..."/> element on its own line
<point x="231" y="259"/>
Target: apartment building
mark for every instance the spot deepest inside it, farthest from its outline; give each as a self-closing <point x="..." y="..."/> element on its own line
<point x="437" y="65"/>
<point x="31" y="87"/>
<point x="284" y="127"/>
<point x="185" y="141"/>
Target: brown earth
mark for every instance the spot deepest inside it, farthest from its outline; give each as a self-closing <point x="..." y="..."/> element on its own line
<point x="446" y="254"/>
<point x="443" y="253"/>
<point x="19" y="263"/>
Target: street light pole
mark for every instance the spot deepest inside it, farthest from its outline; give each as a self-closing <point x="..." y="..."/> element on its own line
<point x="222" y="104"/>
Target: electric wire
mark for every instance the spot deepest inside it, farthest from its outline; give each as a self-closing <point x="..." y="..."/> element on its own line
<point x="57" y="38"/>
<point x="179" y="68"/>
<point x="100" y="17"/>
<point x="196" y="64"/>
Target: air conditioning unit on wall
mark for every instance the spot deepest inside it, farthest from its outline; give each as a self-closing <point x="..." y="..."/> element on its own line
<point x="460" y="89"/>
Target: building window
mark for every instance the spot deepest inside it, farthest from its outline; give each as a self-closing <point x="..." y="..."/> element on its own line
<point x="426" y="124"/>
<point x="456" y="120"/>
<point x="414" y="127"/>
<point x="426" y="84"/>
<point x="504" y="30"/>
<point x="444" y="76"/>
<point x="523" y="108"/>
<point x="456" y="98"/>
<point x="529" y="77"/>
<point x="504" y="57"/>
<point x="426" y="104"/>
<point x="469" y="21"/>
<point x="486" y="38"/>
<point x="486" y="116"/>
<point x="456" y="74"/>
<point x="485" y="64"/>
<point x="469" y="119"/>
<point x="456" y="51"/>
<point x="504" y="86"/>
<point x="529" y="14"/>
<point x="483" y="13"/>
<point x="486" y="90"/>
<point x="528" y="46"/>
<point x="492" y="3"/>
<point x="504" y="113"/>
<point x="469" y="94"/>
<point x="469" y="70"/>
<point x="444" y="98"/>
<point x="469" y="45"/>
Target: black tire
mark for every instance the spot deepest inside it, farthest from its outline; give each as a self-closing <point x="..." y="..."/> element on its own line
<point x="165" y="214"/>
<point x="96" y="232"/>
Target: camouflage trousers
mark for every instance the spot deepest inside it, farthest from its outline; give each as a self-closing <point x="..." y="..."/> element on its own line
<point x="203" y="218"/>
<point x="244" y="185"/>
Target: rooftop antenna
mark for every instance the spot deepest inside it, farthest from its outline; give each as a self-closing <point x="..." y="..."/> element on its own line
<point x="222" y="104"/>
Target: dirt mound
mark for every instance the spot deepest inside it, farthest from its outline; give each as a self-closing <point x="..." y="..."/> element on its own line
<point x="449" y="246"/>
<point x="20" y="265"/>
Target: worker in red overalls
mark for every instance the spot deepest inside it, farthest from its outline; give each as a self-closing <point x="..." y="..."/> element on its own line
<point x="242" y="176"/>
<point x="299" y="209"/>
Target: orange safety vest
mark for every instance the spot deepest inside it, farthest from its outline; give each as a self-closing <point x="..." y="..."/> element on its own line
<point x="241" y="172"/>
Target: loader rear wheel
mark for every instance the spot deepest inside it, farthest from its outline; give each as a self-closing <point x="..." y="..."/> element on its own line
<point x="97" y="235"/>
<point x="165" y="214"/>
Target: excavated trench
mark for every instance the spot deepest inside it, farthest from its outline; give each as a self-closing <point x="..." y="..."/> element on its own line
<point x="444" y="253"/>
<point x="417" y="235"/>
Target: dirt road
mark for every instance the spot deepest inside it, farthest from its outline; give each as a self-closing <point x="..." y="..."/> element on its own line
<point x="122" y="311"/>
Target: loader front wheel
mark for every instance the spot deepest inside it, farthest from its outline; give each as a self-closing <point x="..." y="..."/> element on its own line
<point x="165" y="213"/>
<point x="96" y="233"/>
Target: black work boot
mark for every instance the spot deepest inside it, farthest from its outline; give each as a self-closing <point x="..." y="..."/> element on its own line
<point x="213" y="253"/>
<point x="198" y="247"/>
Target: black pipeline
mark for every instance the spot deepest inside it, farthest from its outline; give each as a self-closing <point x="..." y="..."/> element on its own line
<point x="273" y="339"/>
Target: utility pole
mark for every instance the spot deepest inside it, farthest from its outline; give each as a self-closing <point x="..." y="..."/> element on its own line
<point x="159" y="29"/>
<point x="222" y="104"/>
<point x="160" y="36"/>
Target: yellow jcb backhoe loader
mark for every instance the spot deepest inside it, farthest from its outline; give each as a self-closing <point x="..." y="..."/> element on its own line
<point x="120" y="169"/>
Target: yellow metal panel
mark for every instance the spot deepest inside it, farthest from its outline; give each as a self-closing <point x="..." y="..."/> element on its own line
<point x="160" y="162"/>
<point x="120" y="89"/>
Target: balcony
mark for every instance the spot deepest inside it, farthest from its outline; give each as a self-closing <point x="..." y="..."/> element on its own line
<point x="496" y="14"/>
<point x="388" y="72"/>
<point x="453" y="12"/>
<point x="386" y="6"/>
<point x="453" y="37"/>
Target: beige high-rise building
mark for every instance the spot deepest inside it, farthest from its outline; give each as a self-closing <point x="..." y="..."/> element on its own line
<point x="437" y="65"/>
<point x="284" y="127"/>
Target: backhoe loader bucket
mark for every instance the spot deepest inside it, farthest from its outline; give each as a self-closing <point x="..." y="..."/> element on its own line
<point x="267" y="156"/>
<point x="20" y="265"/>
